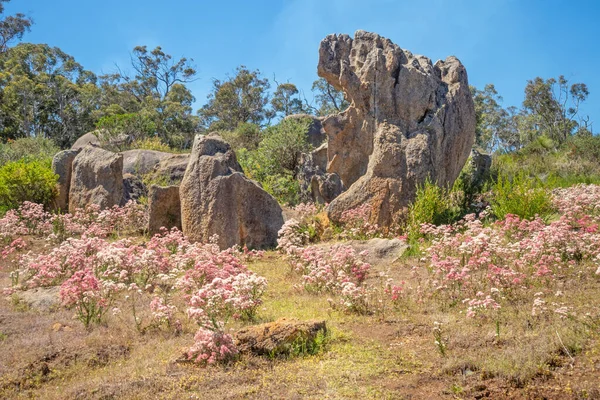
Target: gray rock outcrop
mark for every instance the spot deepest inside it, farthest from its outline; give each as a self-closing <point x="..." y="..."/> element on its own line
<point x="62" y="164"/>
<point x="316" y="184"/>
<point x="88" y="138"/>
<point x="409" y="119"/>
<point x="164" y="208"/>
<point x="217" y="199"/>
<point x="96" y="178"/>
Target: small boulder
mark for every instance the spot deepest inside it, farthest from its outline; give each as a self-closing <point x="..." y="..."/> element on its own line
<point x="62" y="164"/>
<point x="164" y="208"/>
<point x="41" y="299"/>
<point x="380" y="250"/>
<point x="278" y="337"/>
<point x="218" y="199"/>
<point x="97" y="178"/>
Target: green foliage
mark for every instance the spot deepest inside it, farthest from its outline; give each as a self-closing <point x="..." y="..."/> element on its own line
<point x="274" y="163"/>
<point x="25" y="180"/>
<point x="575" y="161"/>
<point x="554" y="106"/>
<point x="432" y="205"/>
<point x="44" y="92"/>
<point x="12" y="27"/>
<point x="329" y="99"/>
<point x="281" y="185"/>
<point x="246" y="136"/>
<point x="239" y="99"/>
<point x="283" y="143"/>
<point x="522" y="195"/>
<point x="36" y="148"/>
<point x="120" y="130"/>
<point x="285" y="100"/>
<point x="151" y="143"/>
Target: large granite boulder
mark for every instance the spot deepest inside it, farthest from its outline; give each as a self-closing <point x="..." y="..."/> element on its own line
<point x="88" y="138"/>
<point x="172" y="168"/>
<point x="164" y="208"/>
<point x="217" y="199"/>
<point x="409" y="119"/>
<point x="62" y="164"/>
<point x="96" y="178"/>
<point x="140" y="162"/>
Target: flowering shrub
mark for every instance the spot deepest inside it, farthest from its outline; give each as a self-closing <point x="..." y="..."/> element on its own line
<point x="211" y="347"/>
<point x="325" y="270"/>
<point x="31" y="219"/>
<point x="481" y="264"/>
<point x="95" y="272"/>
<point x="356" y="223"/>
<point x="85" y="292"/>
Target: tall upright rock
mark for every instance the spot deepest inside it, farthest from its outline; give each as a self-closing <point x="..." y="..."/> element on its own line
<point x="96" y="178"/>
<point x="409" y="119"/>
<point x="217" y="199"/>
<point x="62" y="164"/>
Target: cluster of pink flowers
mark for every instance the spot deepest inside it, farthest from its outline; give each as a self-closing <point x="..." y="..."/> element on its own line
<point x="480" y="264"/>
<point x="306" y="209"/>
<point x="326" y="270"/>
<point x="357" y="225"/>
<point x="212" y="346"/>
<point x="215" y="285"/>
<point x="30" y="219"/>
<point x="291" y="237"/>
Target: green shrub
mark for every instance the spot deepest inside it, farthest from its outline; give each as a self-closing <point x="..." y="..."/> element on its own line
<point x="432" y="205"/>
<point x="36" y="148"/>
<point x="245" y="136"/>
<point x="275" y="162"/>
<point x="282" y="145"/>
<point x="522" y="195"/>
<point x="27" y="180"/>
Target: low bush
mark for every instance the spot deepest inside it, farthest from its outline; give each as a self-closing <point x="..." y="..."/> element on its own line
<point x="25" y="180"/>
<point x="432" y="205"/>
<point x="36" y="148"/>
<point x="522" y="195"/>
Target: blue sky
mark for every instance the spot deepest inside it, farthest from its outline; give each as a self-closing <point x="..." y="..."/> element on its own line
<point x="505" y="42"/>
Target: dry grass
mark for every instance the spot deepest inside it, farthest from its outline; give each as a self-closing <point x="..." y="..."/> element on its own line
<point x="505" y="355"/>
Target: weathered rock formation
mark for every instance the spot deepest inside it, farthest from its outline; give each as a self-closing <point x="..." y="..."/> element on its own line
<point x="96" y="178"/>
<point x="61" y="165"/>
<point x="316" y="184"/>
<point x="217" y="199"/>
<point x="278" y="337"/>
<point x="408" y="120"/>
<point x="88" y="138"/>
<point x="165" y="166"/>
<point x="164" y="208"/>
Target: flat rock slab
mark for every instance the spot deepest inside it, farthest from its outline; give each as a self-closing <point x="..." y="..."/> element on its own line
<point x="41" y="299"/>
<point x="380" y="251"/>
<point x="277" y="337"/>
